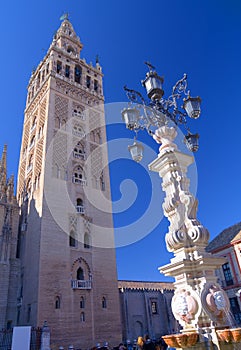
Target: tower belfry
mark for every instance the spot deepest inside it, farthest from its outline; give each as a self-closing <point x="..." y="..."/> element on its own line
<point x="68" y="272"/>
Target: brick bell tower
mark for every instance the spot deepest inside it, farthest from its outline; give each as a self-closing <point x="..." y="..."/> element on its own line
<point x="68" y="270"/>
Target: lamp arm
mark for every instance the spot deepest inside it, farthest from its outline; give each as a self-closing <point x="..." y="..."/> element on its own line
<point x="134" y="95"/>
<point x="180" y="86"/>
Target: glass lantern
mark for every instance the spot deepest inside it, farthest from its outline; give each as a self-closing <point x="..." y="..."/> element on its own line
<point x="192" y="106"/>
<point x="130" y="116"/>
<point x="136" y="151"/>
<point x="153" y="85"/>
<point x="191" y="141"/>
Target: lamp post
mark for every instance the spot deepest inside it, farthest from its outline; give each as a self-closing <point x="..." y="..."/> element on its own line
<point x="199" y="304"/>
<point x="157" y="111"/>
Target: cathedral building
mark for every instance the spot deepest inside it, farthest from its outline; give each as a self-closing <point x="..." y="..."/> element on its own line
<point x="9" y="264"/>
<point x="146" y="309"/>
<point x="66" y="241"/>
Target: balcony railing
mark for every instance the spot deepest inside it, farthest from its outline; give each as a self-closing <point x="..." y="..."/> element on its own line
<point x="80" y="209"/>
<point x="80" y="115"/>
<point x="79" y="155"/>
<point x="79" y="133"/>
<point x="81" y="284"/>
<point x="79" y="181"/>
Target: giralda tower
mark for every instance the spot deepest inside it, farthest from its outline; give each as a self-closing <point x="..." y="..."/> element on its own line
<point x="68" y="265"/>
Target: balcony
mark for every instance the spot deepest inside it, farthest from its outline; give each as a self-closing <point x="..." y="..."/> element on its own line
<point x="80" y="209"/>
<point x="79" y="155"/>
<point x="80" y="284"/>
<point x="79" y="181"/>
<point x="79" y="133"/>
<point x="80" y="115"/>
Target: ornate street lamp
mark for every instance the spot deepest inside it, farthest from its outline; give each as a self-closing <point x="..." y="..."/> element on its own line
<point x="199" y="304"/>
<point x="157" y="111"/>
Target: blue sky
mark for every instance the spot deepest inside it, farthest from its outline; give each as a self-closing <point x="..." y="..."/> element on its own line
<point x="200" y="38"/>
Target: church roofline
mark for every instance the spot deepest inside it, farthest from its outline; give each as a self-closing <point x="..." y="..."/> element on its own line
<point x="145" y="285"/>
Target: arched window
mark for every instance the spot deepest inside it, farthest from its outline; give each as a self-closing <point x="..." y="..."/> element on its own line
<point x="78" y="176"/>
<point x="72" y="239"/>
<point x="79" y="112"/>
<point x="82" y="317"/>
<point x="79" y="201"/>
<point x="67" y="71"/>
<point x="80" y="274"/>
<point x="57" y="302"/>
<point x="59" y="67"/>
<point x="86" y="241"/>
<point x="80" y="206"/>
<point x="104" y="303"/>
<point x="96" y="85"/>
<point x="88" y="81"/>
<point x="70" y="48"/>
<point x="77" y="74"/>
<point x="82" y="303"/>
<point x="79" y="151"/>
<point x="78" y="131"/>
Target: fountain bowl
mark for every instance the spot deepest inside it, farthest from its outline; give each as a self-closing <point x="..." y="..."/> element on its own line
<point x="236" y="334"/>
<point x="183" y="340"/>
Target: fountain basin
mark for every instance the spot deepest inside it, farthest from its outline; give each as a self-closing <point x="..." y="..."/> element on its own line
<point x="229" y="335"/>
<point x="183" y="340"/>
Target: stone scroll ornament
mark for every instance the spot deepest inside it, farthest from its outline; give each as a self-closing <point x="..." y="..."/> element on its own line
<point x="216" y="303"/>
<point x="185" y="306"/>
<point x="180" y="206"/>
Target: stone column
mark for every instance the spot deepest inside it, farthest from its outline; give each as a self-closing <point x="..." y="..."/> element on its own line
<point x="199" y="303"/>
